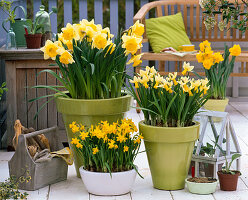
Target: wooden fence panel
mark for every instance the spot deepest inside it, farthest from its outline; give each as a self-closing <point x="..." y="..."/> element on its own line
<point x="67" y="12"/>
<point x="36" y="6"/>
<point x="53" y="3"/>
<point x="83" y="11"/>
<point x="114" y="17"/>
<point x="98" y="12"/>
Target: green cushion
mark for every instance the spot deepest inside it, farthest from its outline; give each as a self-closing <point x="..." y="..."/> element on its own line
<point x="167" y="31"/>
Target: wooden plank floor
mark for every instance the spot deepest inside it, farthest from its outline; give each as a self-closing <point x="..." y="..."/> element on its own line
<point x="73" y="188"/>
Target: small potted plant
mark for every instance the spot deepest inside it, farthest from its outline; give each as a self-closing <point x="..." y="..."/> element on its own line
<point x="108" y="151"/>
<point x="218" y="68"/>
<point x="228" y="178"/>
<point x="201" y="185"/>
<point x="33" y="38"/>
<point x="169" y="105"/>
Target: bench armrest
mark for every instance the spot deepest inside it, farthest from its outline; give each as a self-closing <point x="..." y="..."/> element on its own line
<point x="140" y="15"/>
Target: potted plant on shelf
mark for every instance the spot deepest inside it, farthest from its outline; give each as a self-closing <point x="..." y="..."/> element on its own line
<point x="108" y="151"/>
<point x="169" y="105"/>
<point x="218" y="68"/>
<point x="33" y="38"/>
<point x="16" y="24"/>
<point x="228" y="178"/>
<point x="93" y="71"/>
<point x="201" y="185"/>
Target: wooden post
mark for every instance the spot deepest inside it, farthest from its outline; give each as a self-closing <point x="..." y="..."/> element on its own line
<point x="11" y="99"/>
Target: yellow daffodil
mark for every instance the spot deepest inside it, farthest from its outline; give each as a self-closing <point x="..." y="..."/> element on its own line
<point x="173" y="77"/>
<point x="111" y="144"/>
<point x="203" y="45"/>
<point x="196" y="84"/>
<point x="69" y="44"/>
<point x="65" y="57"/>
<point x="235" y="50"/>
<point x="135" y="59"/>
<point x="80" y="30"/>
<point x="84" y="135"/>
<point x="158" y="79"/>
<point x="125" y="148"/>
<point x="207" y="64"/>
<point x="111" y="47"/>
<point x="95" y="150"/>
<point x="80" y="146"/>
<point x="218" y="57"/>
<point x="131" y="44"/>
<point x="138" y="29"/>
<point x="187" y="68"/>
<point x="107" y="32"/>
<point x="50" y="50"/>
<point x="121" y="138"/>
<point x="199" y="57"/>
<point x="90" y="33"/>
<point x="100" y="40"/>
<point x="144" y="81"/>
<point x="72" y="124"/>
<point x="74" y="141"/>
<point x="69" y="33"/>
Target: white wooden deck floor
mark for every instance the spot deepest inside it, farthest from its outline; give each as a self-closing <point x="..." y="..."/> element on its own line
<point x="74" y="189"/>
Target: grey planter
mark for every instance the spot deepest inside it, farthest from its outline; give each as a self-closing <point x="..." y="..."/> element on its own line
<point x="44" y="173"/>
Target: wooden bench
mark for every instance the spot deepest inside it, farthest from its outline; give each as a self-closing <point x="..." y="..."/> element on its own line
<point x="195" y="28"/>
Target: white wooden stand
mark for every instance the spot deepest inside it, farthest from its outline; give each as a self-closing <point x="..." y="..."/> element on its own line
<point x="226" y="129"/>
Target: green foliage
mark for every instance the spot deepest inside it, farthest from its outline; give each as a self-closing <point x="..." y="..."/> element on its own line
<point x="230" y="12"/>
<point x="168" y="102"/>
<point x="226" y="169"/>
<point x="9" y="188"/>
<point x="5" y="6"/>
<point x="3" y="89"/>
<point x="219" y="74"/>
<point x="37" y="25"/>
<point x="107" y="147"/>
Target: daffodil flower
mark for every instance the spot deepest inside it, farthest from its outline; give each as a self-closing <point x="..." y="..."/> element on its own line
<point x="187" y="68"/>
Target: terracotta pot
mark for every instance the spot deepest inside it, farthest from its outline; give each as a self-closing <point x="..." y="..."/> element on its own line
<point x="33" y="40"/>
<point x="228" y="182"/>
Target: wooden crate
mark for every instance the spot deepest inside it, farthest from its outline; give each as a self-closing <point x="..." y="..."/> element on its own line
<point x="44" y="173"/>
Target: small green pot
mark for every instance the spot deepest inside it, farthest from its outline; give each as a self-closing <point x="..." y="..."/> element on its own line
<point x="169" y="151"/>
<point x="201" y="188"/>
<point x="90" y="112"/>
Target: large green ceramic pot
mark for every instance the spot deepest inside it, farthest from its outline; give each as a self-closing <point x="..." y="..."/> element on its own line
<point x="169" y="151"/>
<point x="90" y="112"/>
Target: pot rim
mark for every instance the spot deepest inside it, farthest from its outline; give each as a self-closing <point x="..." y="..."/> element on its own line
<point x="159" y="127"/>
<point x="107" y="173"/>
<point x="217" y="181"/>
<point x="32" y="35"/>
<point x="90" y="100"/>
<point x="236" y="172"/>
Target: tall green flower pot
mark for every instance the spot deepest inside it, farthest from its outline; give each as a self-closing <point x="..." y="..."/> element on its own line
<point x="169" y="151"/>
<point x="90" y="112"/>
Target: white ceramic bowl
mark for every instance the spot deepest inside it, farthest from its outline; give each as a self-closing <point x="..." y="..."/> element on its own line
<point x="102" y="184"/>
<point x="201" y="188"/>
